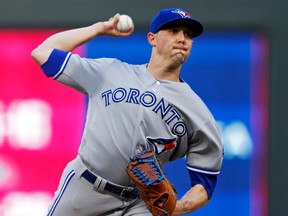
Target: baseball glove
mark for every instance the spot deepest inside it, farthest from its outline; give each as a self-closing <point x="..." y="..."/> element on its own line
<point x="153" y="186"/>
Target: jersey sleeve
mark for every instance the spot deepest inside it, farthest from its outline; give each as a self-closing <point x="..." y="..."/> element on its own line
<point x="205" y="156"/>
<point x="205" y="152"/>
<point x="56" y="63"/>
<point x="82" y="74"/>
<point x="206" y="180"/>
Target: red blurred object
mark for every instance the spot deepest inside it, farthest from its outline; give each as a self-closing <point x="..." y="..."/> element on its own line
<point x="21" y="79"/>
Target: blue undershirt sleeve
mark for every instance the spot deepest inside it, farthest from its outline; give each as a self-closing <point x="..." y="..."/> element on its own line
<point x="56" y="63"/>
<point x="207" y="180"/>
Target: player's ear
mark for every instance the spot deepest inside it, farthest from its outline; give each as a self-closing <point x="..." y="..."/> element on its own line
<point x="151" y="38"/>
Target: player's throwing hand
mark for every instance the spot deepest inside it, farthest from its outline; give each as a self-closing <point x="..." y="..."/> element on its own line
<point x="110" y="27"/>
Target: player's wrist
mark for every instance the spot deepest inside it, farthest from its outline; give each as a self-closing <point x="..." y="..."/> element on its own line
<point x="98" y="29"/>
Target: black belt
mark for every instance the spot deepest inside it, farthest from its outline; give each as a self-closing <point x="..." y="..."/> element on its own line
<point x="122" y="192"/>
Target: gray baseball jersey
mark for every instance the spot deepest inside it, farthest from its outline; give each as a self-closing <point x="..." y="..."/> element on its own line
<point x="129" y="110"/>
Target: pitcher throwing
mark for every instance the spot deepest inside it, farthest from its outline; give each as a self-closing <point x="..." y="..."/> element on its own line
<point x="133" y="108"/>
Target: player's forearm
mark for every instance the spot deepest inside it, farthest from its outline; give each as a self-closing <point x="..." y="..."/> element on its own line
<point x="66" y="40"/>
<point x="70" y="39"/>
<point x="194" y="199"/>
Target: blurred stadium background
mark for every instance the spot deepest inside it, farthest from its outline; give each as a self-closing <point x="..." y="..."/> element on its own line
<point x="238" y="67"/>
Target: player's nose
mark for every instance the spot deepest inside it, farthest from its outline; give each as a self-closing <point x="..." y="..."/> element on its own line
<point x="180" y="36"/>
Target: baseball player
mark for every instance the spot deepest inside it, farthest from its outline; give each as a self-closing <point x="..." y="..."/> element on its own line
<point x="133" y="107"/>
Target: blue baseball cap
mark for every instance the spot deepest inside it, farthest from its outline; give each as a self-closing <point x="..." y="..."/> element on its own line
<point x="175" y="17"/>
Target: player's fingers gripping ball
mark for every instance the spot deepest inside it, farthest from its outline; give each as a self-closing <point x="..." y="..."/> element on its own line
<point x="125" y="23"/>
<point x="153" y="186"/>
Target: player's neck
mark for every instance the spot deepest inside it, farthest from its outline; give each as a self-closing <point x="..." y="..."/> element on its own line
<point x="164" y="72"/>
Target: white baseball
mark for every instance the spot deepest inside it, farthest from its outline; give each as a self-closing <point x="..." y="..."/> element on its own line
<point x="125" y="23"/>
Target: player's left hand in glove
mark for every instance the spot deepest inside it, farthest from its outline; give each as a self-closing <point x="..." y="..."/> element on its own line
<point x="153" y="186"/>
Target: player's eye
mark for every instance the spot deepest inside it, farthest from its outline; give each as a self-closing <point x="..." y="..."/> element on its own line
<point x="188" y="34"/>
<point x="173" y="30"/>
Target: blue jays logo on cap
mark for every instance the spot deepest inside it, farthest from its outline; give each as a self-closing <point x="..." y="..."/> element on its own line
<point x="176" y="16"/>
<point x="182" y="13"/>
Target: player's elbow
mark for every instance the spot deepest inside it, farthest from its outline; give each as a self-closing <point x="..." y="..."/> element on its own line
<point x="36" y="55"/>
<point x="40" y="54"/>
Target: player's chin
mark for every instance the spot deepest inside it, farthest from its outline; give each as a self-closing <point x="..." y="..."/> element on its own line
<point x="179" y="58"/>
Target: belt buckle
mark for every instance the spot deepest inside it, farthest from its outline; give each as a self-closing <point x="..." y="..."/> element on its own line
<point x="126" y="190"/>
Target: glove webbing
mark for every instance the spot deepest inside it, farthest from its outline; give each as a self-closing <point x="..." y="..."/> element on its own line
<point x="144" y="177"/>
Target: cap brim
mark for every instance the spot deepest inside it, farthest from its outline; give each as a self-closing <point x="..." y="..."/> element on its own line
<point x="193" y="25"/>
